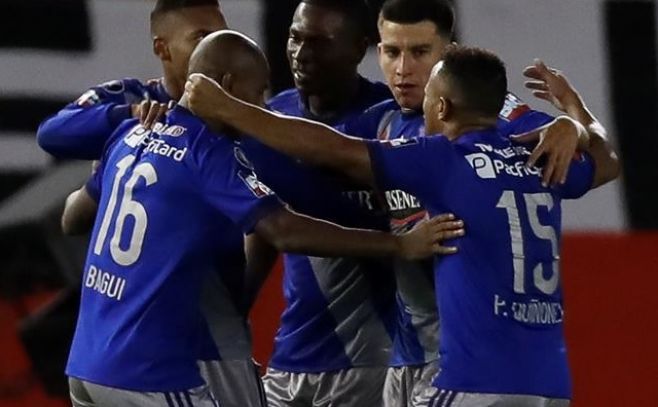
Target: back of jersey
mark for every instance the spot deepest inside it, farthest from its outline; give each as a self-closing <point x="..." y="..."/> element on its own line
<point x="156" y="236"/>
<point x="500" y="298"/>
<point x="500" y="301"/>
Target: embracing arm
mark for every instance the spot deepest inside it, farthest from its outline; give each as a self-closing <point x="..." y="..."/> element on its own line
<point x="315" y="143"/>
<point x="291" y="232"/>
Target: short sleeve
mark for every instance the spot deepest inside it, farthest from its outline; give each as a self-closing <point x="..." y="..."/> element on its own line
<point x="231" y="186"/>
<point x="579" y="178"/>
<point x="414" y="165"/>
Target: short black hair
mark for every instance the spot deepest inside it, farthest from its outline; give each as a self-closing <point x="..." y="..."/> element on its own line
<point x="165" y="6"/>
<point x="479" y="76"/>
<point x="440" y="12"/>
<point x="357" y="13"/>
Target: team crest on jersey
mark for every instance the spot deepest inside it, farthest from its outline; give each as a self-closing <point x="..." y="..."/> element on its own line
<point x="513" y="108"/>
<point x="399" y="142"/>
<point x="242" y="158"/>
<point x="255" y="186"/>
<point x="88" y="99"/>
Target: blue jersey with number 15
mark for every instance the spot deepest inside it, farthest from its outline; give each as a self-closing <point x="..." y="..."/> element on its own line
<point x="499" y="297"/>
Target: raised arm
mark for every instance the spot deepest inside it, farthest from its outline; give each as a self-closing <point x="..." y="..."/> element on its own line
<point x="553" y="86"/>
<point x="314" y="143"/>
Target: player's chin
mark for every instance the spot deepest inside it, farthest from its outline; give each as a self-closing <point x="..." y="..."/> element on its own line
<point x="408" y="101"/>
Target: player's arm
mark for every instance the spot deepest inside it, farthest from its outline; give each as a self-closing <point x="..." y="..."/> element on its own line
<point x="314" y="143"/>
<point x="81" y="129"/>
<point x="292" y="232"/>
<point x="553" y="86"/>
<point x="79" y="212"/>
<point x="261" y="257"/>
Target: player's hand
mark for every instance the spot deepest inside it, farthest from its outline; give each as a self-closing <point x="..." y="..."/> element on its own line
<point x="150" y="112"/>
<point x="425" y="239"/>
<point x="551" y="85"/>
<point x="557" y="141"/>
<point x="205" y="97"/>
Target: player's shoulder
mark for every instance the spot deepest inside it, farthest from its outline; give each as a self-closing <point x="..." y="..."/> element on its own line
<point x="285" y="101"/>
<point x="119" y="90"/>
<point x="382" y="107"/>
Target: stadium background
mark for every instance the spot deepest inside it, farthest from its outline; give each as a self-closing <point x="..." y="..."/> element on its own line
<point x="51" y="50"/>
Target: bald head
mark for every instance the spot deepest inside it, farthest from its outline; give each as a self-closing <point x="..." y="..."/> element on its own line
<point x="235" y="61"/>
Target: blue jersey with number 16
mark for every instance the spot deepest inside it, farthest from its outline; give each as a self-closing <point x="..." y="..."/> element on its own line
<point x="166" y="200"/>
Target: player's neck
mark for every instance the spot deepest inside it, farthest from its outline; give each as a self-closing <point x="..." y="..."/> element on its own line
<point x="333" y="102"/>
<point x="173" y="88"/>
<point x="215" y="127"/>
<point x="454" y="129"/>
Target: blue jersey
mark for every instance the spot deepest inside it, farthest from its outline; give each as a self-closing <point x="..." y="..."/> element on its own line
<point x="165" y="200"/>
<point x="416" y="330"/>
<point x="81" y="130"/>
<point x="338" y="311"/>
<point x="499" y="297"/>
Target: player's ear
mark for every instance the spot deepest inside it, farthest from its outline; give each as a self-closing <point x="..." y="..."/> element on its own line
<point x="161" y="49"/>
<point x="444" y="108"/>
<point x="227" y="82"/>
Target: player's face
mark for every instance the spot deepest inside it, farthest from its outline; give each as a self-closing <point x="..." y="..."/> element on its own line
<point x="407" y="53"/>
<point x="189" y="27"/>
<point x="321" y="50"/>
<point x="432" y="102"/>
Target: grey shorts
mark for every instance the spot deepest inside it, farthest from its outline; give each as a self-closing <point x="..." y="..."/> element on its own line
<point x="234" y="383"/>
<point x="434" y="397"/>
<point x="355" y="387"/>
<point x="406" y="383"/>
<point x="85" y="394"/>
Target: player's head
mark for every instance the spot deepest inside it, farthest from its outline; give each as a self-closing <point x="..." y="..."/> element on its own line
<point x="327" y="41"/>
<point x="466" y="88"/>
<point x="177" y="26"/>
<point x="413" y="34"/>
<point x="236" y="62"/>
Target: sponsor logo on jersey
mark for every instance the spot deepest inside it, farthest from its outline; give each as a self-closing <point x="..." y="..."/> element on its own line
<point x="255" y="186"/>
<point x="491" y="162"/>
<point x="139" y="136"/>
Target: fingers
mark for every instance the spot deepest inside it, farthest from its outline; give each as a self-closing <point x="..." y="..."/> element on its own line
<point x="549" y="170"/>
<point x="536" y="85"/>
<point x="143" y="110"/>
<point x="542" y="95"/>
<point x="529" y="137"/>
<point x="438" y="249"/>
<point x="563" y="169"/>
<point x="536" y="154"/>
<point x="155" y="112"/>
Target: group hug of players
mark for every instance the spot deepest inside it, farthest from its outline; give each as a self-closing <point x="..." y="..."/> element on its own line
<point x="420" y="233"/>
